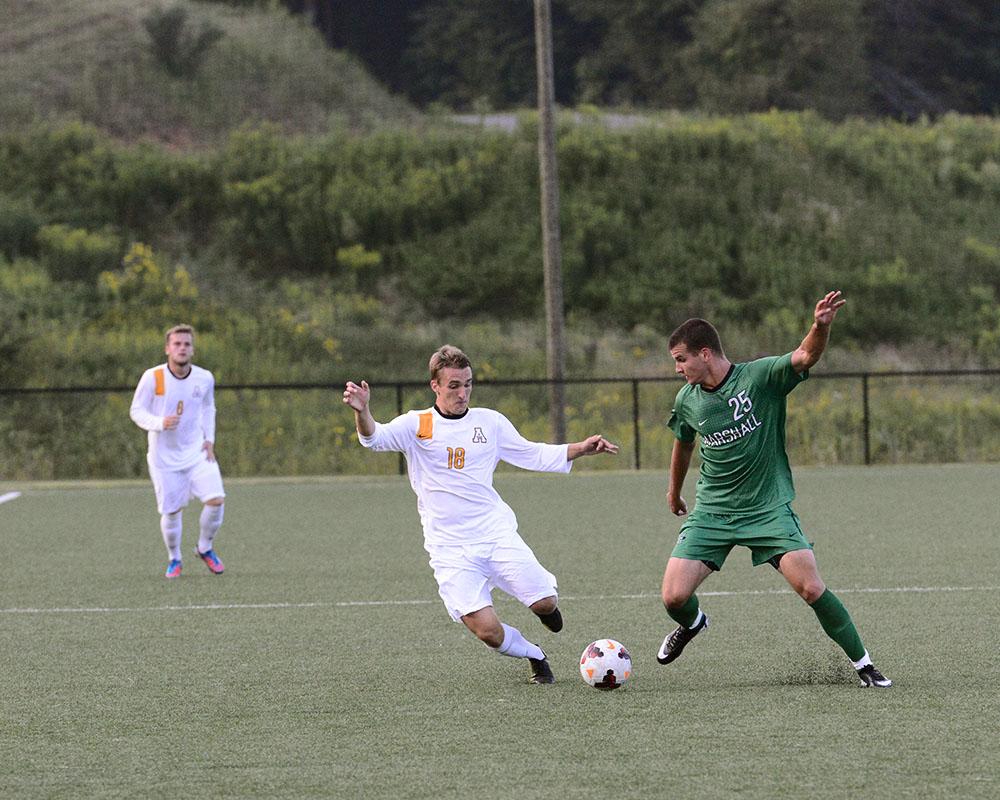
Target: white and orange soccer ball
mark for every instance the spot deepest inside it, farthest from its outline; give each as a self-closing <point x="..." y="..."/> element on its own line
<point x="605" y="664"/>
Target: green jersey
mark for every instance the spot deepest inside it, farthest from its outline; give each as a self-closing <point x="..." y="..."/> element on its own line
<point x="744" y="466"/>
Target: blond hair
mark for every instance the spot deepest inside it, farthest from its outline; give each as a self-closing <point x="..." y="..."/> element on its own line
<point x="447" y="356"/>
<point x="179" y="329"/>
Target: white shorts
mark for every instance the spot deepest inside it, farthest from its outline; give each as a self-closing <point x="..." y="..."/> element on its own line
<point x="175" y="488"/>
<point x="467" y="574"/>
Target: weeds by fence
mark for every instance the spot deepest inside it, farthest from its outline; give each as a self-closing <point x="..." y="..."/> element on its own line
<point x="304" y="428"/>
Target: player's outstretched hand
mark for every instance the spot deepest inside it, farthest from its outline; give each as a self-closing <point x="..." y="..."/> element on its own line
<point x="602" y="445"/>
<point x="827" y="308"/>
<point x="357" y="396"/>
<point x="592" y="445"/>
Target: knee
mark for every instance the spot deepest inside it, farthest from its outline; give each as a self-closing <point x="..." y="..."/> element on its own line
<point x="811" y="590"/>
<point x="488" y="631"/>
<point x="546" y="605"/>
<point x="215" y="501"/>
<point x="674" y="598"/>
<point x="491" y="636"/>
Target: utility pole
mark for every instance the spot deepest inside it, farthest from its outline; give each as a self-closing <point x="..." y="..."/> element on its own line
<point x="551" y="246"/>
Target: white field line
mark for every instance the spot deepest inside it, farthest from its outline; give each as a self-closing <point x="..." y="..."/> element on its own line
<point x="6" y="498"/>
<point x="375" y="603"/>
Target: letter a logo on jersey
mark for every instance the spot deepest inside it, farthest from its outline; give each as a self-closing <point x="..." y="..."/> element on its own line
<point x="478" y="436"/>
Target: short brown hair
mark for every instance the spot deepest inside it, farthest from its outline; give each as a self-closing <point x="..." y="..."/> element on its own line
<point x="447" y="356"/>
<point x="696" y="334"/>
<point x="179" y="329"/>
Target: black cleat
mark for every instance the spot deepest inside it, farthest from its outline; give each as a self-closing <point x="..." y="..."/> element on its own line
<point x="872" y="677"/>
<point x="552" y="621"/>
<point x="675" y="642"/>
<point x="541" y="672"/>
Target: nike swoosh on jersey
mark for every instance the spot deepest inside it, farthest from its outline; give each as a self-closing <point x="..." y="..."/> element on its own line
<point x="702" y="422"/>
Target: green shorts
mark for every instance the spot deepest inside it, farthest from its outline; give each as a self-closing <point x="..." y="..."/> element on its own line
<point x="708" y="537"/>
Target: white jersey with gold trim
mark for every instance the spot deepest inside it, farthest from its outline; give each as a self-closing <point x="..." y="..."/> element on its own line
<point x="160" y="393"/>
<point x="451" y="464"/>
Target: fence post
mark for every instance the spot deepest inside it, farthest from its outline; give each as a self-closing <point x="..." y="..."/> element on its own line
<point x="635" y="422"/>
<point x="399" y="411"/>
<point x="866" y="419"/>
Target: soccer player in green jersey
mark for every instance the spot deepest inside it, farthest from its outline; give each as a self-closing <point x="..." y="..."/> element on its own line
<point x="745" y="486"/>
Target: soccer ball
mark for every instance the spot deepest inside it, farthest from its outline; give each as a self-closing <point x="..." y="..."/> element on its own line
<point x="605" y="664"/>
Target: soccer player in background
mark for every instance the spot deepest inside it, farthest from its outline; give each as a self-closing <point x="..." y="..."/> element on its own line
<point x="175" y="402"/>
<point x="470" y="533"/>
<point x="745" y="487"/>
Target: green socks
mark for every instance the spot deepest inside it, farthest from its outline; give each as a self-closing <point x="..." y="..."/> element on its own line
<point x="688" y="613"/>
<point x="829" y="610"/>
<point x="836" y="622"/>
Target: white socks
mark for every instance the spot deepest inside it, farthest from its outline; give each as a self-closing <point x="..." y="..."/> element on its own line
<point x="171" y="526"/>
<point x="516" y="646"/>
<point x="864" y="661"/>
<point x="211" y="521"/>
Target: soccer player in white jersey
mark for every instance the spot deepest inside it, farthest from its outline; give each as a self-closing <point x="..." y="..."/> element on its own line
<point x="175" y="402"/>
<point x="470" y="533"/>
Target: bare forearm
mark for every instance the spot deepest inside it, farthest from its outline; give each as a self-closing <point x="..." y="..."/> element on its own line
<point x="680" y="461"/>
<point x="812" y="347"/>
<point x="574" y="450"/>
<point x="364" y="421"/>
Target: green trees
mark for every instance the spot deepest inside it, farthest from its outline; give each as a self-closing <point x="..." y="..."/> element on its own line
<point x="636" y="52"/>
<point x="479" y="60"/>
<point x="790" y="54"/>
<point x="900" y="58"/>
<point x="931" y="57"/>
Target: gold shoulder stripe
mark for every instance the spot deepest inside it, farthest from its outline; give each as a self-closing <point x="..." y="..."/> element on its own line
<point x="161" y="382"/>
<point x="426" y="429"/>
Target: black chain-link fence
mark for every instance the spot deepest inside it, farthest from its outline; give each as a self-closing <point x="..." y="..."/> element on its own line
<point x="305" y="429"/>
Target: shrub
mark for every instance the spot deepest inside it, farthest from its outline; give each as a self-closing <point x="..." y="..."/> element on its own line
<point x="176" y="47"/>
<point x="76" y="254"/>
<point x="19" y="224"/>
<point x="144" y="280"/>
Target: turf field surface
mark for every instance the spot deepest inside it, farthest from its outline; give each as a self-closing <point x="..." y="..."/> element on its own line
<point x="323" y="665"/>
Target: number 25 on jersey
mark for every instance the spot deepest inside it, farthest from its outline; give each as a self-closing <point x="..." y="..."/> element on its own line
<point x="741" y="405"/>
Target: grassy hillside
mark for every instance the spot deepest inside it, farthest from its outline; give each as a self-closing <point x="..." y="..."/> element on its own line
<point x="742" y="220"/>
<point x="94" y="61"/>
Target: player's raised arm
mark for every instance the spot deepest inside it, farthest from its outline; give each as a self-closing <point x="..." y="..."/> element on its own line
<point x="812" y="347"/>
<point x="357" y="398"/>
<point x="590" y="446"/>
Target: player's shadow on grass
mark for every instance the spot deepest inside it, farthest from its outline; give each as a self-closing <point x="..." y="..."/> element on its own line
<point x="811" y="673"/>
<point x="833" y="674"/>
<point x="826" y="675"/>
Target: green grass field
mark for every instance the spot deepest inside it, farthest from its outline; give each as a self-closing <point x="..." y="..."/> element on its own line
<point x="323" y="665"/>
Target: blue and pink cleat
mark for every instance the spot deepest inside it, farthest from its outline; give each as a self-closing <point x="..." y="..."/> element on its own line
<point x="174" y="569"/>
<point x="211" y="561"/>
